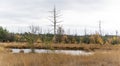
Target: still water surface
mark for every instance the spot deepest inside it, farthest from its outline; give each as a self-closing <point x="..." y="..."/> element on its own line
<point x="72" y="52"/>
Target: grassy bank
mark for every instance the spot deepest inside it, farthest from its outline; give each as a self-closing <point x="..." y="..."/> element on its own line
<point x="104" y="58"/>
<point x="87" y="47"/>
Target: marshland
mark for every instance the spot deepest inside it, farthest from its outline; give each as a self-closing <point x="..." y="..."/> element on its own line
<point x="59" y="33"/>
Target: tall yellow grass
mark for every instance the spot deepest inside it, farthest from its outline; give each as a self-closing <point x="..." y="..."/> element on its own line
<point x="100" y="58"/>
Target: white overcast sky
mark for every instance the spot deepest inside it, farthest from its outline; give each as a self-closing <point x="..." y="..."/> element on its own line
<point x="76" y="14"/>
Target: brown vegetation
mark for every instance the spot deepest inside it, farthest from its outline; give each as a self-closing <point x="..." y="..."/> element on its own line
<point x="86" y="47"/>
<point x="104" y="58"/>
<point x="104" y="55"/>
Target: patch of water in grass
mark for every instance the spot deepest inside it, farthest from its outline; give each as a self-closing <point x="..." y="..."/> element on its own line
<point x="72" y="52"/>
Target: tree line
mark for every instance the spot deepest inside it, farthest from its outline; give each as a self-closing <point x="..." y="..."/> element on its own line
<point x="61" y="38"/>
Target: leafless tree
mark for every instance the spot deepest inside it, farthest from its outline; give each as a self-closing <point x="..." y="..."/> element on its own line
<point x="31" y="36"/>
<point x="34" y="29"/>
<point x="116" y="36"/>
<point x="54" y="20"/>
<point x="100" y="31"/>
<point x="60" y="30"/>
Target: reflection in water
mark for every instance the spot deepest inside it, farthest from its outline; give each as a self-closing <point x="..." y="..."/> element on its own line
<point x="72" y="52"/>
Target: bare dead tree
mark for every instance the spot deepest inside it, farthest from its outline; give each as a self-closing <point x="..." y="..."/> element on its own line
<point x="116" y="36"/>
<point x="54" y="20"/>
<point x="100" y="27"/>
<point x="31" y="36"/>
<point x="60" y="30"/>
<point x="116" y="33"/>
<point x="39" y="29"/>
<point x="34" y="29"/>
<point x="85" y="32"/>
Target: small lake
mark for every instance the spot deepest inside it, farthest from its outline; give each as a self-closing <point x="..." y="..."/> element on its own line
<point x="71" y="52"/>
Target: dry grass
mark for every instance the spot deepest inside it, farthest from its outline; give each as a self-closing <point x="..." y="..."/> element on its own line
<point x="104" y="58"/>
<point x="87" y="47"/>
<point x="105" y="55"/>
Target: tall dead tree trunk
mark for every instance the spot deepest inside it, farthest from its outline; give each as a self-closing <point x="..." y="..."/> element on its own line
<point x="100" y="32"/>
<point x="54" y="20"/>
<point x="54" y="23"/>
